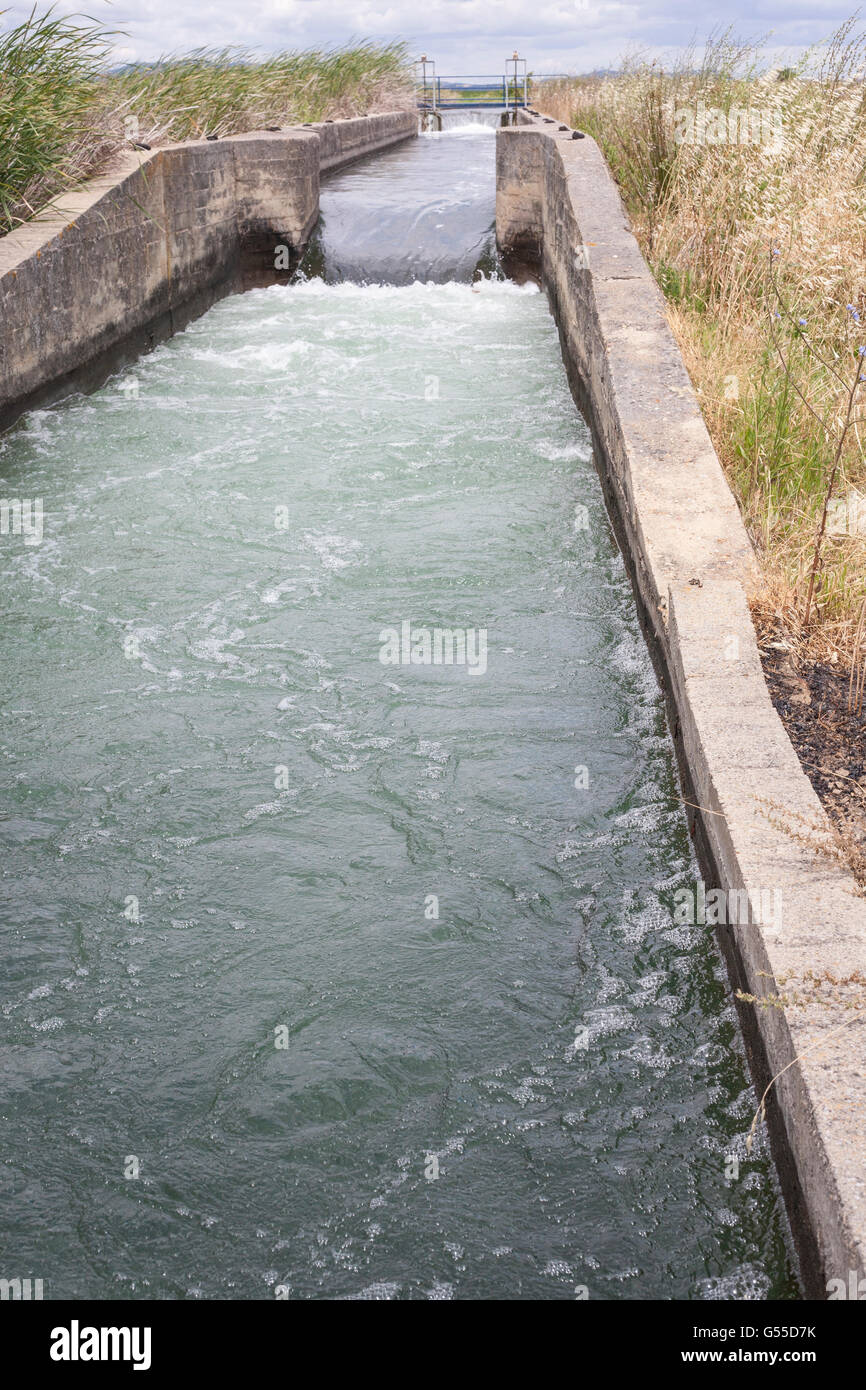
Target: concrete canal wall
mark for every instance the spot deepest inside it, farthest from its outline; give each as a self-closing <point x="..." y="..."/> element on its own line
<point x="112" y="268"/>
<point x="757" y="820"/>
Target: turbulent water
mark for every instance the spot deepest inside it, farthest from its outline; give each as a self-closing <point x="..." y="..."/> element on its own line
<point x="425" y="210"/>
<point x="326" y="976"/>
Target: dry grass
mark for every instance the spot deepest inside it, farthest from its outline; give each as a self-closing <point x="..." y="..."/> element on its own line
<point x="827" y="842"/>
<point x="770" y="340"/>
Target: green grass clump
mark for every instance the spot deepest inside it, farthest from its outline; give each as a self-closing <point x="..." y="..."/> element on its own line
<point x="64" y="114"/>
<point x="49" y="93"/>
<point x="226" y="91"/>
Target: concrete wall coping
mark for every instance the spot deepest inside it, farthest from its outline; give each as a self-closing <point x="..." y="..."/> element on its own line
<point x="339" y="142"/>
<point x="60" y="214"/>
<point x="759" y="823"/>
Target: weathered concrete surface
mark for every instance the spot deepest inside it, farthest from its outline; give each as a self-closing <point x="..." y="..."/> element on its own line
<point x="114" y="267"/>
<point x="759" y="825"/>
<point x="342" y="141"/>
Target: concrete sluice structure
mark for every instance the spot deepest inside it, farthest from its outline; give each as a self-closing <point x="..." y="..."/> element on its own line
<point x="613" y="984"/>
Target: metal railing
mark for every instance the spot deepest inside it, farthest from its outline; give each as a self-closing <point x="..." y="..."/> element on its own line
<point x="512" y="90"/>
<point x="451" y="93"/>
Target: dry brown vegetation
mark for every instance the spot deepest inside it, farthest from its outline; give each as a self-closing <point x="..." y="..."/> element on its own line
<point x="759" y="245"/>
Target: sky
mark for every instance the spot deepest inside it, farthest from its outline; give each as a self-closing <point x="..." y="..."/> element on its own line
<point x="463" y="36"/>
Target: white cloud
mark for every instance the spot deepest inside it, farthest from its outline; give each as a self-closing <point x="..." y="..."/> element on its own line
<point x="464" y="36"/>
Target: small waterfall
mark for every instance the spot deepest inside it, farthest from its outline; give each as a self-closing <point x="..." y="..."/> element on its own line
<point x="454" y="122"/>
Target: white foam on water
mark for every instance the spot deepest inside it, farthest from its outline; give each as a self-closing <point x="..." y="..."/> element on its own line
<point x="419" y="290"/>
<point x="440" y="1291"/>
<point x="271" y="596"/>
<point x="746" y="1284"/>
<point x="334" y="552"/>
<point x="470" y="128"/>
<point x="382" y="1290"/>
<point x="270" y="808"/>
<point x="562" y="453"/>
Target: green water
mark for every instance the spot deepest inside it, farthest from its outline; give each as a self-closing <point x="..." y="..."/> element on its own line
<point x="507" y="1073"/>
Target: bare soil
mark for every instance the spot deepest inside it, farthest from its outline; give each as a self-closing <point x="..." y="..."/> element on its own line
<point x="811" y="698"/>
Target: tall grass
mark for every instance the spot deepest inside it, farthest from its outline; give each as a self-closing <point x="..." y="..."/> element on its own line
<point x="223" y="92"/>
<point x="710" y="208"/>
<point x="64" y="114"/>
<point x="49" y="96"/>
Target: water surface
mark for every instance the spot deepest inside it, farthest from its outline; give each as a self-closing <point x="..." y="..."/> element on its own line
<point x="227" y="824"/>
